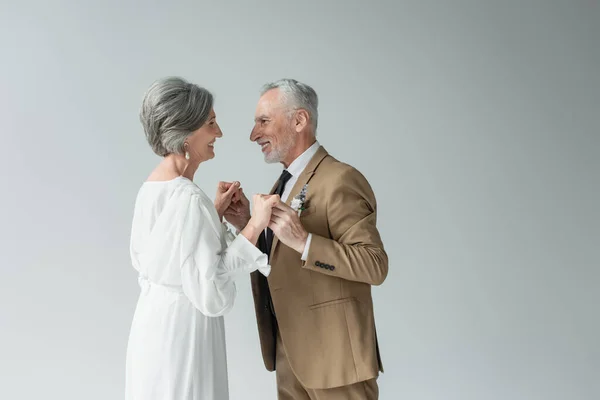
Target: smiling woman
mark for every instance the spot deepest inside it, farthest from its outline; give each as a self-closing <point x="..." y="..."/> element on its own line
<point x="202" y="141"/>
<point x="178" y="117"/>
<point x="186" y="258"/>
<point x="172" y="109"/>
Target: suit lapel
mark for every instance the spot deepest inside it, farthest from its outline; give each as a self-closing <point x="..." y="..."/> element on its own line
<point x="303" y="179"/>
<point x="274" y="187"/>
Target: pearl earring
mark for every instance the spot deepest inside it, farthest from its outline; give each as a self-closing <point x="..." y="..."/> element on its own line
<point x="187" y="155"/>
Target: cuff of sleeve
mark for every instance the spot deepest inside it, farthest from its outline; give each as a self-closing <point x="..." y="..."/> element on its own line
<point x="256" y="259"/>
<point x="228" y="234"/>
<point x="318" y="257"/>
<point x="306" y="247"/>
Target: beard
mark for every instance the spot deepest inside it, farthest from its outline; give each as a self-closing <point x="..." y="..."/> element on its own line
<point x="279" y="153"/>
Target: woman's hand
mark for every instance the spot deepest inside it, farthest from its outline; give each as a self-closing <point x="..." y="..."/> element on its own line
<point x="225" y="194"/>
<point x="262" y="207"/>
<point x="238" y="212"/>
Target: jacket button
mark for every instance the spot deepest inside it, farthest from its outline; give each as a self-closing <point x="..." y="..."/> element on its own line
<point x="331" y="267"/>
<point x="318" y="263"/>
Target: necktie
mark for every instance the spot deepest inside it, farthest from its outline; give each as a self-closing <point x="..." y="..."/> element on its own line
<point x="283" y="179"/>
<point x="266" y="240"/>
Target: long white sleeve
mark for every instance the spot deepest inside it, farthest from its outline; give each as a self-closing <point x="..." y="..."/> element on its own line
<point x="209" y="267"/>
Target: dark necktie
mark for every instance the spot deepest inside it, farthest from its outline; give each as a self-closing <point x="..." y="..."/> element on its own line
<point x="283" y="179"/>
<point x="266" y="240"/>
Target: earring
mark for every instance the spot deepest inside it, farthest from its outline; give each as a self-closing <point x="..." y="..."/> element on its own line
<point x="187" y="155"/>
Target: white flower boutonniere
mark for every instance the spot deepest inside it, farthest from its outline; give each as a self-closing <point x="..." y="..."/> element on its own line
<point x="299" y="200"/>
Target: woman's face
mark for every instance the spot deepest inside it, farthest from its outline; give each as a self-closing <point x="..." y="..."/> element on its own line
<point x="200" y="144"/>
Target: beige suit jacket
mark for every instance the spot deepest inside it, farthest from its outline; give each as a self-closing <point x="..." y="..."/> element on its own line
<point x="324" y="307"/>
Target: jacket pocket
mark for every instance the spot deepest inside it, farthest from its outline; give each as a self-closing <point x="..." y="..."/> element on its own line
<point x="332" y="303"/>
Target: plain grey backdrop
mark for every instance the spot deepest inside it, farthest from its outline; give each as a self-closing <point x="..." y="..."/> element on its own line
<point x="476" y="122"/>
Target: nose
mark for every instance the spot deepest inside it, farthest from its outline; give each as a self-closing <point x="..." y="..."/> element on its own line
<point x="219" y="132"/>
<point x="254" y="134"/>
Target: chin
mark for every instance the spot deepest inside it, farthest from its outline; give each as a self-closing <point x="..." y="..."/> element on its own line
<point x="272" y="158"/>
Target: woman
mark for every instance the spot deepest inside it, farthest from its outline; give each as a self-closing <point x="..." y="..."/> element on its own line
<point x="187" y="260"/>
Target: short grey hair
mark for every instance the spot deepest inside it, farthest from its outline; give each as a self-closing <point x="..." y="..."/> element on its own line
<point x="172" y="109"/>
<point x="297" y="95"/>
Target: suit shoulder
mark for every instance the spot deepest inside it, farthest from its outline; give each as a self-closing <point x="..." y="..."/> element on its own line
<point x="341" y="180"/>
<point x="343" y="172"/>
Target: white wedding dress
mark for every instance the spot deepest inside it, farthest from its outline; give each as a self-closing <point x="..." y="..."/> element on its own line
<point x="187" y="262"/>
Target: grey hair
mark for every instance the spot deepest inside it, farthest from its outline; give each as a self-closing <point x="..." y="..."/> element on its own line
<point x="297" y="95"/>
<point x="172" y="109"/>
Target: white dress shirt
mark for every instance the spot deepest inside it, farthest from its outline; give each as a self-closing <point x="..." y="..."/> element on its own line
<point x="295" y="169"/>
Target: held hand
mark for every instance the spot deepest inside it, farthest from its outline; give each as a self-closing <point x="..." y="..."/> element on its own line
<point x="286" y="225"/>
<point x="261" y="214"/>
<point x="261" y="210"/>
<point x="226" y="193"/>
<point x="238" y="212"/>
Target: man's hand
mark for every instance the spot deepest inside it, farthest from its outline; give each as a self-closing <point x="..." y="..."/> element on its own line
<point x="227" y="192"/>
<point x="286" y="225"/>
<point x="238" y="212"/>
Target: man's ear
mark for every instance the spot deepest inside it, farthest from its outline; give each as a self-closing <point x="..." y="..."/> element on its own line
<point x="301" y="120"/>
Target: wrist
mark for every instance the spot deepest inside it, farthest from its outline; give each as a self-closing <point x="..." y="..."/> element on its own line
<point x="251" y="231"/>
<point x="302" y="243"/>
<point x="254" y="225"/>
<point x="219" y="210"/>
<point x="246" y="220"/>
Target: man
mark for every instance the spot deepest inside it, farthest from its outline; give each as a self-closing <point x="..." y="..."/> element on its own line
<point x="315" y="311"/>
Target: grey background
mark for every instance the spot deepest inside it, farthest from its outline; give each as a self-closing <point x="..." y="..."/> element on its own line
<point x="476" y="123"/>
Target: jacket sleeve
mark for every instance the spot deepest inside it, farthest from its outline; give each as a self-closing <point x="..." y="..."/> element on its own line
<point x="353" y="250"/>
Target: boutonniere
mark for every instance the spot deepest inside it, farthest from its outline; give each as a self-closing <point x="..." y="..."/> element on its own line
<point x="299" y="200"/>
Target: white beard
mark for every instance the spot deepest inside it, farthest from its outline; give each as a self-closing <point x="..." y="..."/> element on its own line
<point x="272" y="158"/>
<point x="277" y="155"/>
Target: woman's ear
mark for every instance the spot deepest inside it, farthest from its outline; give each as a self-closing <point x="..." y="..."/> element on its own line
<point x="187" y="152"/>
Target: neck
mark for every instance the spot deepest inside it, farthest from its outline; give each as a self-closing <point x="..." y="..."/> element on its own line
<point x="180" y="166"/>
<point x="301" y="146"/>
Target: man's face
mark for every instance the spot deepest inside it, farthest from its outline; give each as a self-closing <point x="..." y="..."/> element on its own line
<point x="273" y="129"/>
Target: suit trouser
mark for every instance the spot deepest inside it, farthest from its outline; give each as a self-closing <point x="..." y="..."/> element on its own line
<point x="289" y="388"/>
